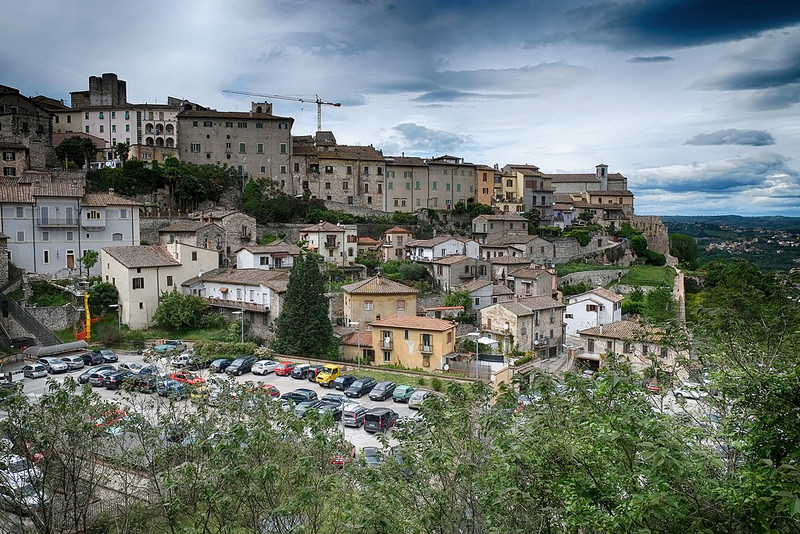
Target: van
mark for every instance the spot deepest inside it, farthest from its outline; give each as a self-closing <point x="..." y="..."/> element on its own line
<point x="353" y="415"/>
<point x="379" y="420"/>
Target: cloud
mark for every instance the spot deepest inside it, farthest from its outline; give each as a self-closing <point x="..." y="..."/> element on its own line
<point x="415" y="139"/>
<point x="656" y="24"/>
<point x="733" y="137"/>
<point x="651" y="59"/>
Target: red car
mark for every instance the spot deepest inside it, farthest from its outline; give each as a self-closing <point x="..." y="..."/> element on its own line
<point x="271" y="390"/>
<point x="284" y="368"/>
<point x="653" y="387"/>
<point x="344" y="455"/>
<point x="187" y="378"/>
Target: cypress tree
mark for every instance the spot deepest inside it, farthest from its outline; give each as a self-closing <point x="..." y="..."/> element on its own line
<point x="303" y="328"/>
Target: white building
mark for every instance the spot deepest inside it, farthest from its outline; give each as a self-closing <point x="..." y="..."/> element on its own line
<point x="593" y="308"/>
<point x="335" y="243"/>
<point x="278" y="255"/>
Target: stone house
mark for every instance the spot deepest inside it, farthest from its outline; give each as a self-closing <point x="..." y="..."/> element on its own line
<point x="413" y="342"/>
<point x="407" y="183"/>
<point x="527" y="324"/>
<point x="452" y="271"/>
<point x="484" y="293"/>
<point x="369" y="300"/>
<point x="198" y="233"/>
<point x="441" y="246"/>
<point x="395" y="241"/>
<point x="335" y="243"/>
<point x="451" y="180"/>
<point x="26" y="134"/>
<point x="143" y="273"/>
<point x="240" y="228"/>
<point x="641" y="345"/>
<point x="489" y="228"/>
<point x="534" y="281"/>
<point x="537" y="190"/>
<point x="592" y="308"/>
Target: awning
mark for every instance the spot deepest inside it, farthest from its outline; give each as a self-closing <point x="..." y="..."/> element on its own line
<point x="49" y="350"/>
<point x="588" y="356"/>
<point x="223" y="290"/>
<point x="487" y="341"/>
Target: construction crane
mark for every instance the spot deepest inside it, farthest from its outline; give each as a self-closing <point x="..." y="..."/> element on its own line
<point x="317" y="101"/>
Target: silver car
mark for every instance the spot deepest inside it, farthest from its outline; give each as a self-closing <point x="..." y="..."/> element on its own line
<point x="54" y="365"/>
<point x="34" y="370"/>
<point x="98" y="378"/>
<point x="73" y="362"/>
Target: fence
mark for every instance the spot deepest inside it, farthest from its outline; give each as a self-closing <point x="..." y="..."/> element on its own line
<point x="472" y="369"/>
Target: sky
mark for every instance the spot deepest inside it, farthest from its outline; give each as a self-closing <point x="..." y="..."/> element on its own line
<point x="696" y="102"/>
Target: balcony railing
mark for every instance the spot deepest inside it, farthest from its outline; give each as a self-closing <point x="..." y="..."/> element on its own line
<point x="52" y="222"/>
<point x="236" y="304"/>
<point x="386" y="344"/>
<point x="426" y="349"/>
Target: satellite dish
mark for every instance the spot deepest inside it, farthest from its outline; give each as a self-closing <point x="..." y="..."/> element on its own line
<point x="535" y="341"/>
<point x="446" y="367"/>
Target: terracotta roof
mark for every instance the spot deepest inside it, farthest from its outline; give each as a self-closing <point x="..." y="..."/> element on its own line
<point x="368" y="241"/>
<point x="529" y="305"/>
<point x="406" y="161"/>
<point x="625" y="330"/>
<point x="353" y="152"/>
<point x="520" y="239"/>
<point x="500" y="289"/>
<point x="238" y="276"/>
<point x="527" y="272"/>
<point x="450" y="260"/>
<point x="322" y="226"/>
<point x="607" y="294"/>
<point x="474" y="285"/>
<point x="136" y="256"/>
<point x="185" y="225"/>
<point x="414" y="322"/>
<point x="358" y="338"/>
<point x="278" y="247"/>
<point x="107" y="199"/>
<point x="397" y="230"/>
<point x="378" y="285"/>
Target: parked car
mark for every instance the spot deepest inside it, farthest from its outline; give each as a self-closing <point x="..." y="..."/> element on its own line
<point x="83" y="378"/>
<point x="170" y="345"/>
<point x="327" y="375"/>
<point x="300" y="395"/>
<point x="360" y="387"/>
<point x="299" y="371"/>
<point x="313" y="371"/>
<point x="270" y="390"/>
<point x="181" y="360"/>
<point x="653" y="387"/>
<point x="333" y="408"/>
<point x="131" y="366"/>
<point x="382" y="390"/>
<point x="24" y="499"/>
<point x="16" y="470"/>
<point x="145" y="383"/>
<point x="108" y="355"/>
<point x="197" y="363"/>
<point x="408" y="424"/>
<point x="379" y="420"/>
<point x="152" y="370"/>
<point x="335" y="398"/>
<point x="187" y="378"/>
<point x="173" y="389"/>
<point x="690" y="390"/>
<point x="418" y="398"/>
<point x="219" y="365"/>
<point x="264" y="367"/>
<point x="92" y="358"/>
<point x="284" y="368"/>
<point x="54" y="365"/>
<point x="98" y="378"/>
<point x="372" y="455"/>
<point x="242" y="365"/>
<point x="343" y="382"/>
<point x="402" y="393"/>
<point x="34" y="370"/>
<point x="345" y="452"/>
<point x="117" y="379"/>
<point x="302" y="408"/>
<point x="353" y="415"/>
<point x="73" y="362"/>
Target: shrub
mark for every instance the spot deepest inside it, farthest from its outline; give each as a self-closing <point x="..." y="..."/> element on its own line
<point x="436" y="383"/>
<point x="135" y="338"/>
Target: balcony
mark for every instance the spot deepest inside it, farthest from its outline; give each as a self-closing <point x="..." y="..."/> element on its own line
<point x="331" y="244"/>
<point x="426" y="349"/>
<point x="236" y="304"/>
<point x="386" y="343"/>
<point x="51" y="222"/>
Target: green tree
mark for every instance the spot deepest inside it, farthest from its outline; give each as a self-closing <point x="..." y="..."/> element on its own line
<point x="459" y="298"/>
<point x="123" y="151"/>
<point x="684" y="248"/>
<point x="76" y="149"/>
<point x="534" y="217"/>
<point x="100" y="296"/>
<point x="476" y="208"/>
<point x="303" y="327"/>
<point x="89" y="259"/>
<point x="659" y="306"/>
<point x="586" y="216"/>
<point x="176" y="311"/>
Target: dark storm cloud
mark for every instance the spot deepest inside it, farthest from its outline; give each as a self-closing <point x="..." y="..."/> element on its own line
<point x="733" y="137"/>
<point x="651" y="59"/>
<point x="422" y="140"/>
<point x="646" y="24"/>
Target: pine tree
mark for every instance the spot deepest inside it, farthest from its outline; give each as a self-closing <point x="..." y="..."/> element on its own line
<point x="303" y="327"/>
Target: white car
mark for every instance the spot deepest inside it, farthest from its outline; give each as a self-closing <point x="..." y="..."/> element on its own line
<point x="54" y="365"/>
<point x="73" y="362"/>
<point x="690" y="390"/>
<point x="17" y="471"/>
<point x="264" y="367"/>
<point x="131" y="366"/>
<point x="181" y="360"/>
<point x="34" y="370"/>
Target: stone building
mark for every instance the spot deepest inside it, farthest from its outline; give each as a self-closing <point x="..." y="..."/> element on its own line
<point x="451" y="180"/>
<point x="407" y="183"/>
<point x="26" y="134"/>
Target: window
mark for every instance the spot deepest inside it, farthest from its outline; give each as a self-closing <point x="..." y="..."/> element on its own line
<point x="260" y="148"/>
<point x="328" y="169"/>
<point x="141" y="305"/>
<point x="626" y="347"/>
<point x="46" y="256"/>
<point x="242" y="148"/>
<point x="283" y="148"/>
<point x="380" y="171"/>
<point x="138" y="283"/>
<point x="127" y="114"/>
<point x="283" y="169"/>
<point x="366" y="170"/>
<point x="169" y="280"/>
<point x="228" y="124"/>
<point x="116" y="237"/>
<point x="127" y="127"/>
<point x="195" y="147"/>
<point x="259" y="125"/>
<point x="70" y="236"/>
<point x="401" y="305"/>
<point x="194" y="255"/>
<point x="366" y="188"/>
<point x="45" y="236"/>
<point x="367" y="305"/>
<point x="20" y="236"/>
<point x="9" y="156"/>
<point x="349" y="169"/>
<point x="434" y="185"/>
<point x="380" y="188"/>
<point x="345" y="186"/>
<point x="590" y="345"/>
<point x="387" y="356"/>
<point x="20" y="212"/>
<point x="100" y="115"/>
<point x="86" y="129"/>
<point x="123" y="214"/>
<point x="86" y="115"/>
<point x="591" y="307"/>
<point x="447" y="187"/>
<point x="327" y="185"/>
<point x="113" y="128"/>
<point x="241" y="124"/>
<point x="93" y="215"/>
<point x="283" y="125"/>
<point x="102" y="128"/>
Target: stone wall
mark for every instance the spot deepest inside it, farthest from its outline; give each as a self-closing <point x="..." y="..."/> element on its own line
<point x="593" y="278"/>
<point x="53" y="318"/>
<point x="654" y="231"/>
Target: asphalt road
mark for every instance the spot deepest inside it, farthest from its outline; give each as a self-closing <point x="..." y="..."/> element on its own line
<point x="34" y="388"/>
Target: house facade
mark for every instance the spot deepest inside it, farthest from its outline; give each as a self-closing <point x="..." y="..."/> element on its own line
<point x="452" y="271"/>
<point x="534" y="281"/>
<point x="143" y="273"/>
<point x="435" y="248"/>
<point x="489" y="228"/>
<point x="26" y="134"/>
<point x="527" y="324"/>
<point x="407" y="182"/>
<point x="201" y="233"/>
<point x="592" y="308"/>
<point x="395" y="241"/>
<point x="278" y="255"/>
<point x="451" y="180"/>
<point x="483" y="293"/>
<point x="413" y="342"/>
<point x="640" y="345"/>
<point x="239" y="227"/>
<point x="369" y="300"/>
<point x="335" y="243"/>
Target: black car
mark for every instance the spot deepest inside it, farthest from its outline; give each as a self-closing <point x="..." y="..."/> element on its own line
<point x="333" y="408"/>
<point x="313" y="371"/>
<point x="382" y="390"/>
<point x="219" y="365"/>
<point x="116" y="380"/>
<point x="360" y="387"/>
<point x="343" y="382"/>
<point x="92" y="358"/>
<point x="242" y="365"/>
<point x="83" y="378"/>
<point x="300" y="395"/>
<point x="300" y="371"/>
<point x="145" y="383"/>
<point x="379" y="420"/>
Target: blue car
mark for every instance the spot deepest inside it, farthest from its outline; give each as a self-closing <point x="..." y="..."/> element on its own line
<point x="173" y="389"/>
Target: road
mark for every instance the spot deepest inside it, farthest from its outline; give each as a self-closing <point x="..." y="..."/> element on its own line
<point x="34" y="388"/>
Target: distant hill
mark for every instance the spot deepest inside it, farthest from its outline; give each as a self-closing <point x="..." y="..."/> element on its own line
<point x="772" y="243"/>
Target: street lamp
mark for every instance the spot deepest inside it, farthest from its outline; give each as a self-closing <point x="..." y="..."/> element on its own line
<point x="358" y="338"/>
<point x="240" y="313"/>
<point x="477" y="336"/>
<point x="119" y="320"/>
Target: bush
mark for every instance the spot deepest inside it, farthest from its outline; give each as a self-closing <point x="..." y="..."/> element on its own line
<point x="135" y="338"/>
<point x="436" y="383"/>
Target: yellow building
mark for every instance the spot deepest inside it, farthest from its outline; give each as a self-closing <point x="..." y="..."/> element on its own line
<point x="413" y="342"/>
<point x="368" y="300"/>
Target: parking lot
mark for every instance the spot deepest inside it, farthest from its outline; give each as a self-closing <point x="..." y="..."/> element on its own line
<point x="34" y="388"/>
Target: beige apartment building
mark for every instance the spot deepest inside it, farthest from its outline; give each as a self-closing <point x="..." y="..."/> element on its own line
<point x="406" y="184"/>
<point x="450" y="180"/>
<point x="369" y="300"/>
<point x="413" y="342"/>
